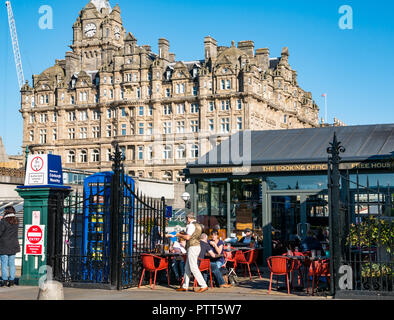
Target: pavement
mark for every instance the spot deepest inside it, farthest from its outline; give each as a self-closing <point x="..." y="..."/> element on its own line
<point x="245" y="289"/>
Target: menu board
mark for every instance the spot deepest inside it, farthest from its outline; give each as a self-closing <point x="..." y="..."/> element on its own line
<point x="244" y="217"/>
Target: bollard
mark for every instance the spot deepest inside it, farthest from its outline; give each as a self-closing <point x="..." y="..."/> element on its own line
<point x="51" y="290"/>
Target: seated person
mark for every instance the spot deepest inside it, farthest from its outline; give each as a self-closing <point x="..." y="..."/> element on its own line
<point x="177" y="263"/>
<point x="322" y="235"/>
<point x="217" y="246"/>
<point x="310" y="242"/>
<point x="207" y="250"/>
<point x="248" y="238"/>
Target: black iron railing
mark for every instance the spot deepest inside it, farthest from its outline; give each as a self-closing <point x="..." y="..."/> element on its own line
<point x="99" y="236"/>
<point x="361" y="230"/>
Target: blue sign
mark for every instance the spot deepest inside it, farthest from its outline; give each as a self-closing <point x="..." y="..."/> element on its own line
<point x="168" y="212"/>
<point x="55" y="172"/>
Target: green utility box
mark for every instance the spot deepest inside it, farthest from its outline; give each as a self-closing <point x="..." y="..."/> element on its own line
<point x="41" y="205"/>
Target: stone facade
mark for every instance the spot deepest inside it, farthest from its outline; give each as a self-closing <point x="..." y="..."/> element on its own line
<point x="161" y="111"/>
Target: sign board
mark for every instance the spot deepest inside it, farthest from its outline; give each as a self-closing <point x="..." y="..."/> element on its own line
<point x="292" y="167"/>
<point x="36" y="216"/>
<point x="244" y="218"/>
<point x="34" y="240"/>
<point x="44" y="170"/>
<point x="168" y="212"/>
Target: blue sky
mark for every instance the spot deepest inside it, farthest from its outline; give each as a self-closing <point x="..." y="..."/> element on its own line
<point x="354" y="67"/>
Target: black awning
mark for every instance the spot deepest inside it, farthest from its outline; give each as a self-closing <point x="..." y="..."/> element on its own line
<point x="367" y="142"/>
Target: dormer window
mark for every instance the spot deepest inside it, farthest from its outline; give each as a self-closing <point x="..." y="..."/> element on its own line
<point x="168" y="75"/>
<point x="195" y="72"/>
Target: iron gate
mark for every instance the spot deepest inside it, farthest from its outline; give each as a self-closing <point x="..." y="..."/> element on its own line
<point x="361" y="231"/>
<point x="99" y="238"/>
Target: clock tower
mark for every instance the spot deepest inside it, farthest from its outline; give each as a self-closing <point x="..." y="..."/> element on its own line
<point x="98" y="35"/>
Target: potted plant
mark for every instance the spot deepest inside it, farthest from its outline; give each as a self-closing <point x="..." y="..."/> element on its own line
<point x="374" y="233"/>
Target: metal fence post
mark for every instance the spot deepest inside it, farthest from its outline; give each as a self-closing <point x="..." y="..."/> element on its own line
<point x="164" y="222"/>
<point x="115" y="253"/>
<point x="334" y="199"/>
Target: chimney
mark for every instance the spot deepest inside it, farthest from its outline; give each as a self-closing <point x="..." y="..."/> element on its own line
<point x="247" y="46"/>
<point x="147" y="47"/>
<point x="164" y="48"/>
<point x="263" y="58"/>
<point x="285" y="55"/>
<point x="172" y="57"/>
<point x="211" y="48"/>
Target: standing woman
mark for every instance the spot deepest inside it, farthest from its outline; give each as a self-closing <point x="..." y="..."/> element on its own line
<point x="9" y="246"/>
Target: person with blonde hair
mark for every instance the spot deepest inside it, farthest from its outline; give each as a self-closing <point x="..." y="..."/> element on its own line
<point x="9" y="246"/>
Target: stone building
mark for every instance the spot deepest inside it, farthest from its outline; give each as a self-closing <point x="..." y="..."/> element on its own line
<point x="162" y="112"/>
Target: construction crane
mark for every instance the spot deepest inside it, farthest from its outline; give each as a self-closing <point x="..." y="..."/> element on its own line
<point x="15" y="45"/>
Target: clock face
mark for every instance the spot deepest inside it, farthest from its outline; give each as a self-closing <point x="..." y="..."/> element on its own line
<point x="117" y="32"/>
<point x="90" y="30"/>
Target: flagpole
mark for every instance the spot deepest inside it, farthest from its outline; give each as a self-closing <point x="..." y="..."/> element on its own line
<point x="325" y="107"/>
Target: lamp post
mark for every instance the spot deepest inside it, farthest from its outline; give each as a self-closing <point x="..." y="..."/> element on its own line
<point x="186" y="198"/>
<point x="27" y="151"/>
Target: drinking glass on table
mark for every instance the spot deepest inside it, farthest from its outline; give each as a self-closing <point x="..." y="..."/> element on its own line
<point x="313" y="253"/>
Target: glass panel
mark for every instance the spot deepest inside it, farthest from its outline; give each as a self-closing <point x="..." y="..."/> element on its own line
<point x="384" y="180"/>
<point x="368" y="202"/>
<point x="317" y="215"/>
<point x="297" y="183"/>
<point x="246" y="205"/>
<point x="218" y="212"/>
<point x="202" y="198"/>
<point x="286" y="215"/>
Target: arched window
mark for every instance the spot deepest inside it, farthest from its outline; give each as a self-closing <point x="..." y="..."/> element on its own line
<point x="71" y="156"/>
<point x="95" y="156"/>
<point x="167" y="154"/>
<point x="194" y="151"/>
<point x="83" y="157"/>
<point x="180" y="176"/>
<point x="167" y="176"/>
<point x="181" y="152"/>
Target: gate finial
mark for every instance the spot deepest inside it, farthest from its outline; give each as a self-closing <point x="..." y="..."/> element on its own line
<point x="335" y="149"/>
<point x="117" y="158"/>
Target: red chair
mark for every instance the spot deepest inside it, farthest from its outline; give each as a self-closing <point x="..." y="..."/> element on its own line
<point x="229" y="258"/>
<point x="280" y="266"/>
<point x="240" y="258"/>
<point x="205" y="265"/>
<point x="318" y="268"/>
<point x="296" y="266"/>
<point x="148" y="263"/>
